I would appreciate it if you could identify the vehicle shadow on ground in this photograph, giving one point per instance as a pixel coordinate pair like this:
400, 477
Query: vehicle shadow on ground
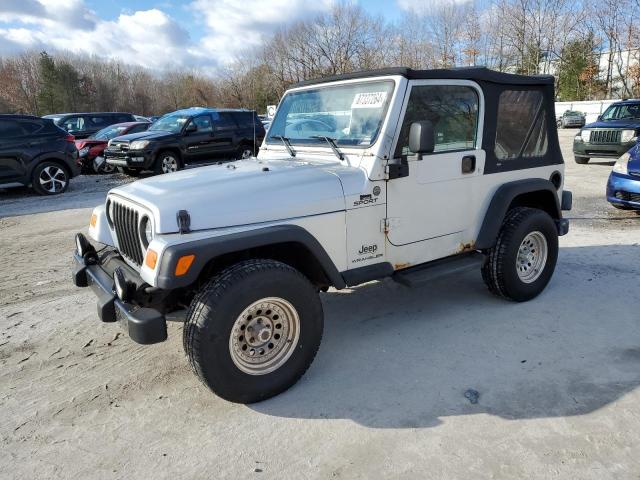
394, 357
605, 163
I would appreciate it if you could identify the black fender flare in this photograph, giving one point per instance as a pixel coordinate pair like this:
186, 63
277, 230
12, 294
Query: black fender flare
502, 200
208, 249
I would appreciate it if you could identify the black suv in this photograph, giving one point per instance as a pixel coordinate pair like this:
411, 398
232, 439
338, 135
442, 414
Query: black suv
187, 136
81, 125
35, 151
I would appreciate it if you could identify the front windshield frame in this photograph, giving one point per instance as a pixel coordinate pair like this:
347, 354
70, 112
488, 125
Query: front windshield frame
383, 81
617, 108
154, 125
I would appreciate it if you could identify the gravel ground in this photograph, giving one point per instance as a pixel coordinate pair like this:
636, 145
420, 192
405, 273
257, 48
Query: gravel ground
557, 377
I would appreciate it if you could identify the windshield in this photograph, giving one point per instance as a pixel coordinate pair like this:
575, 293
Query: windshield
570, 113
351, 114
622, 112
170, 123
108, 133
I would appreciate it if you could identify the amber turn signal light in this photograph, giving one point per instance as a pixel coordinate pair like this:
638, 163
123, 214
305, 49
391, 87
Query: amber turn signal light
183, 265
151, 259
94, 220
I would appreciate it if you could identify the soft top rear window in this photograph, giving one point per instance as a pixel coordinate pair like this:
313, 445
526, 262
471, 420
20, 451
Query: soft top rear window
521, 129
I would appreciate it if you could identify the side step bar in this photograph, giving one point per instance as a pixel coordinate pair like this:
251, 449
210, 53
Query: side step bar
416, 276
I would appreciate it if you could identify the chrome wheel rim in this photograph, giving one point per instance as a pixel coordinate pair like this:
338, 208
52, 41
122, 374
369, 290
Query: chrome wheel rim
532, 257
245, 154
53, 179
264, 336
169, 164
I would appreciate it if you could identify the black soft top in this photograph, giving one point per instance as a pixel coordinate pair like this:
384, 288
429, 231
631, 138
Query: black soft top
467, 73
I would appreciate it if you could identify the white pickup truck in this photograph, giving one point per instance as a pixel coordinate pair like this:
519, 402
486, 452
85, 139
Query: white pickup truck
393, 173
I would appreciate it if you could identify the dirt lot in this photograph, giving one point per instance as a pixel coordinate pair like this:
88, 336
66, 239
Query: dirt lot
558, 377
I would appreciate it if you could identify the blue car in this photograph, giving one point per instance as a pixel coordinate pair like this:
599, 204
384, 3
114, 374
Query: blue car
623, 187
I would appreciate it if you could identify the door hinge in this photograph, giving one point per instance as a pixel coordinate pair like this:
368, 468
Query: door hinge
387, 224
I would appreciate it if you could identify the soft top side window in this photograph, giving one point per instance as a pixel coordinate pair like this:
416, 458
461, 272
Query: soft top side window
521, 129
453, 111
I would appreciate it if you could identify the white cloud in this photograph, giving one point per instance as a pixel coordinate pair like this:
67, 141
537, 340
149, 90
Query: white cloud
236, 25
150, 38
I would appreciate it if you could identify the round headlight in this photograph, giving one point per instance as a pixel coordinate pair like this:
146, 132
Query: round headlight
622, 164
147, 231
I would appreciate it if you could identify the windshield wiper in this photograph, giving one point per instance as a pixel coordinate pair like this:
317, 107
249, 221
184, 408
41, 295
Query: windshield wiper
332, 144
286, 143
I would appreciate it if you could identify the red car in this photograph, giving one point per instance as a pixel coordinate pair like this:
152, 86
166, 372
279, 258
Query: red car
90, 150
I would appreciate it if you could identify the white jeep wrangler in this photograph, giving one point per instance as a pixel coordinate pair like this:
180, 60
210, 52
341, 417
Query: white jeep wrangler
391, 173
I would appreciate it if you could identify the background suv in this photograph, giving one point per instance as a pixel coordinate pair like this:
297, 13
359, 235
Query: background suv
35, 151
571, 118
187, 136
613, 134
81, 125
91, 149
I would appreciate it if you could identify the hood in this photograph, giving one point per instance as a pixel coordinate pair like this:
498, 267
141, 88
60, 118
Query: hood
148, 135
634, 160
623, 124
243, 192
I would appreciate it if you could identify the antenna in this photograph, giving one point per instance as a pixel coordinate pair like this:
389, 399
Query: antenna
253, 114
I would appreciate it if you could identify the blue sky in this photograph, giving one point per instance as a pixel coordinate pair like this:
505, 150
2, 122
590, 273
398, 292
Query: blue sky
200, 34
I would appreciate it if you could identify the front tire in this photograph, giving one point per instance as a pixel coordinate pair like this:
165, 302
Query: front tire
522, 262
166, 162
581, 160
253, 330
50, 178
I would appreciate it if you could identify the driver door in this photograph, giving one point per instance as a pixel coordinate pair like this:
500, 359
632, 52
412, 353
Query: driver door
200, 143
430, 210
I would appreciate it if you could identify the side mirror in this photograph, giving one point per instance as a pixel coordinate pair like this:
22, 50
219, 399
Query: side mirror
191, 128
599, 118
421, 138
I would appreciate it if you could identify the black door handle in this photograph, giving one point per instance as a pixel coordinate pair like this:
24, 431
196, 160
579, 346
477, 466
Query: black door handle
468, 164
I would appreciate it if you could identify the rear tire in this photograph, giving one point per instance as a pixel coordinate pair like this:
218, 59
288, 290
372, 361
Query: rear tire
581, 160
281, 309
50, 178
245, 151
522, 262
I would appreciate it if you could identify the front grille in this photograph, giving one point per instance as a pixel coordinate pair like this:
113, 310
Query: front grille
126, 224
605, 136
628, 196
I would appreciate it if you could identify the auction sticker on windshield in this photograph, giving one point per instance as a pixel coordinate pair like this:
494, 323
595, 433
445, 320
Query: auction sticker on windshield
369, 100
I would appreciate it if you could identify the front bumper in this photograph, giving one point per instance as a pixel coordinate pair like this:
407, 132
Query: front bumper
605, 150
144, 325
129, 159
624, 190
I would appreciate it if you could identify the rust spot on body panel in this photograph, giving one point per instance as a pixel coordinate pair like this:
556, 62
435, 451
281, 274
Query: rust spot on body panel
400, 266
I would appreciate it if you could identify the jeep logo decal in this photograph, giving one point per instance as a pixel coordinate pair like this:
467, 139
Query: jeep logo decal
367, 249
